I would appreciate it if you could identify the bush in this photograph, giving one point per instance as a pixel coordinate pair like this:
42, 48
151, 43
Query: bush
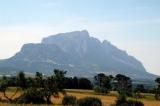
89, 101
128, 103
69, 100
98, 89
31, 96
121, 100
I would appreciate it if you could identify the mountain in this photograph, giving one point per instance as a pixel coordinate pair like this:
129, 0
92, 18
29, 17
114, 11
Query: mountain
76, 52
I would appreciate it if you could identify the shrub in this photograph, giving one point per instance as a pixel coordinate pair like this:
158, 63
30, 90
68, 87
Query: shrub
128, 103
98, 89
31, 96
121, 98
122, 101
69, 100
89, 101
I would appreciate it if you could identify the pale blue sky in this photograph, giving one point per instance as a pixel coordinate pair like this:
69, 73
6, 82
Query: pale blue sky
132, 25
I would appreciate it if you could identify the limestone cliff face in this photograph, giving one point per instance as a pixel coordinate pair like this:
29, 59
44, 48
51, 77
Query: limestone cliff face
76, 52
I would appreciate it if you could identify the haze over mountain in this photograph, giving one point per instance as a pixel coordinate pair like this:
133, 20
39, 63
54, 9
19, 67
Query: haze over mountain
78, 54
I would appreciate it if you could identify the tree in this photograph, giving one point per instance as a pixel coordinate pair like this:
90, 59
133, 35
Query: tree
54, 84
84, 83
157, 80
4, 84
68, 84
157, 95
59, 77
21, 80
77, 83
124, 84
39, 80
30, 82
103, 81
124, 89
100, 79
43, 88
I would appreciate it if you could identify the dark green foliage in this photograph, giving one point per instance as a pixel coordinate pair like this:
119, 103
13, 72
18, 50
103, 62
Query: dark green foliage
68, 83
32, 95
39, 80
124, 87
59, 78
84, 83
41, 89
122, 101
100, 79
69, 100
124, 84
103, 83
157, 80
3, 84
121, 98
51, 85
21, 80
36, 90
30, 82
77, 83
89, 101
157, 93
128, 103
12, 81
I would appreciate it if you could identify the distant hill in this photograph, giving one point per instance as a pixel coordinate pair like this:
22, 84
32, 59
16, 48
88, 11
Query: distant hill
78, 54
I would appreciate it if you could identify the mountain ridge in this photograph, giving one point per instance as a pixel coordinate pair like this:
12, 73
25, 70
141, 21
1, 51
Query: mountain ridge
79, 54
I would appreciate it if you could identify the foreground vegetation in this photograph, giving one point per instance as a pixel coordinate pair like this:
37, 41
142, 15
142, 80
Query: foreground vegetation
103, 91
106, 99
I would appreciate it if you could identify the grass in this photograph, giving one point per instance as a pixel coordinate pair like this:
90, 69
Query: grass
106, 99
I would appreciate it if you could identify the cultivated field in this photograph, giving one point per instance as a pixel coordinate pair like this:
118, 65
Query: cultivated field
106, 99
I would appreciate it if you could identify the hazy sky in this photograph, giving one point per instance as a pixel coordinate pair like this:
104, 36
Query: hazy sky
132, 25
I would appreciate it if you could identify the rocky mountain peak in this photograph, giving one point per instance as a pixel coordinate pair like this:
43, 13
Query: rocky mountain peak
80, 35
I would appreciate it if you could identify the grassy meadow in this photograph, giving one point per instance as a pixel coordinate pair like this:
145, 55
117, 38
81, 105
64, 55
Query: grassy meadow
106, 99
